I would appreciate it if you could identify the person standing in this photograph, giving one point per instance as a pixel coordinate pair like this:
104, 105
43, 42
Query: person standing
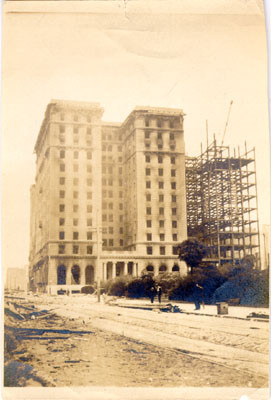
159, 292
198, 295
152, 293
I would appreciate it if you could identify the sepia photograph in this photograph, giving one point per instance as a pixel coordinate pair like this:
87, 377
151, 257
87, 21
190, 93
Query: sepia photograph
135, 200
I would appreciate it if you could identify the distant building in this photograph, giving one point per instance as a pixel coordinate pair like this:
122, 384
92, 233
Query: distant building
126, 179
16, 279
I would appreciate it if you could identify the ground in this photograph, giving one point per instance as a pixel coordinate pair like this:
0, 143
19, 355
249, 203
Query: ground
82, 343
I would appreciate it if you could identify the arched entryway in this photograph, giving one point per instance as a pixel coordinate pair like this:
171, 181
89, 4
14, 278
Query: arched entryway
61, 275
175, 268
162, 269
75, 278
89, 274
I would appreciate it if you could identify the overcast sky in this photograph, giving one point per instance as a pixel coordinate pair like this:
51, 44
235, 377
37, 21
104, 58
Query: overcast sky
122, 58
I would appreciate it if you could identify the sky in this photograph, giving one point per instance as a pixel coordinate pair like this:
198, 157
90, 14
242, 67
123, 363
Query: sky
122, 55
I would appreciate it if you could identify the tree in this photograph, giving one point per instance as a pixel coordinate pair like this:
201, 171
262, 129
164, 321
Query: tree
192, 252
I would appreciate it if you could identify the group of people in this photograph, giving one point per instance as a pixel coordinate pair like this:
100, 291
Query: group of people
198, 295
155, 290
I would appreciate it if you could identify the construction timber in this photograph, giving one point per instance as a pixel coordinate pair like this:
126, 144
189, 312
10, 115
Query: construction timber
222, 206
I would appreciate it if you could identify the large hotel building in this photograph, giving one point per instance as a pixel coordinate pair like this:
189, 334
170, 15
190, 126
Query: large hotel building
109, 198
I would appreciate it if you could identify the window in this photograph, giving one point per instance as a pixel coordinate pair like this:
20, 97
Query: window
161, 224
111, 217
103, 181
121, 242
120, 170
121, 231
149, 224
161, 185
149, 236
89, 195
147, 122
147, 158
148, 197
173, 198
162, 250
174, 250
61, 207
173, 185
61, 138
89, 155
104, 217
109, 148
147, 135
62, 194
62, 235
105, 242
75, 117
89, 182
89, 168
111, 230
171, 136
75, 130
75, 167
172, 160
148, 210
110, 193
62, 167
148, 184
62, 181
61, 221
75, 235
89, 222
75, 181
159, 123
75, 154
120, 182
88, 131
75, 249
119, 148
121, 218
110, 182
174, 211
61, 249
160, 159
173, 172
149, 250
174, 237
89, 208
62, 129
161, 198
110, 206
120, 195
161, 211
174, 224
111, 242
162, 237
121, 206
75, 207
120, 159
160, 171
62, 116
89, 235
89, 249
75, 221
159, 135
75, 195
148, 171
62, 154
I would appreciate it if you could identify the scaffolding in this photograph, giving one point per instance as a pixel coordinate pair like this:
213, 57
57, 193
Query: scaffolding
222, 207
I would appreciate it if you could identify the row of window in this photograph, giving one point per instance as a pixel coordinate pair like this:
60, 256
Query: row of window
161, 237
75, 208
162, 225
161, 185
75, 117
110, 242
109, 169
62, 181
109, 182
160, 145
162, 250
62, 167
160, 172
75, 249
161, 200
62, 129
62, 140
160, 123
62, 154
160, 135
109, 137
75, 221
109, 193
109, 147
62, 194
160, 159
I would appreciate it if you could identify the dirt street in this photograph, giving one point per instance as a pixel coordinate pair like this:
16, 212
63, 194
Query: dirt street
81, 343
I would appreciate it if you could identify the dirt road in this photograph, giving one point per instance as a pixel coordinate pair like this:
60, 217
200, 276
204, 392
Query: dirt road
138, 348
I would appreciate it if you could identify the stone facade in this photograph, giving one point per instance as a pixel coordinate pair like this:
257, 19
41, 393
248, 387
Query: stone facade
109, 198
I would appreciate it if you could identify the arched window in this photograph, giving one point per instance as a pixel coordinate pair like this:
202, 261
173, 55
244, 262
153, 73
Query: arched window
162, 268
175, 268
75, 275
150, 268
61, 275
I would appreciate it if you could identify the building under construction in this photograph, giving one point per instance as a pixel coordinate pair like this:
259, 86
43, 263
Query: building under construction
222, 208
